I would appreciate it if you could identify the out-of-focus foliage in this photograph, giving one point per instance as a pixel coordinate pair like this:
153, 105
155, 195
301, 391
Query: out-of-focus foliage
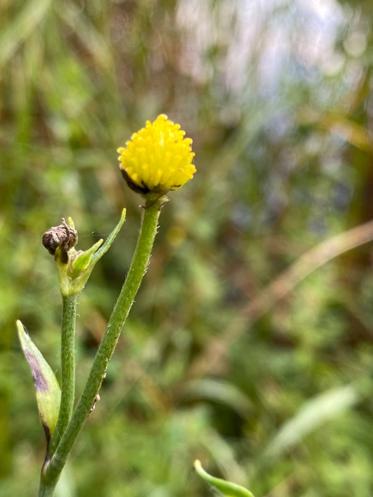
278, 98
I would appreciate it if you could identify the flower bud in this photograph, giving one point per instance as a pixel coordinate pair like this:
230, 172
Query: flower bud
75, 266
62, 236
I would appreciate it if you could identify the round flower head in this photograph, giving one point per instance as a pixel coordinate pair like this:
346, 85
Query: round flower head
158, 158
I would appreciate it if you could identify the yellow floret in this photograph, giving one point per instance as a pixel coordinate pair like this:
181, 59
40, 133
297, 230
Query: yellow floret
158, 158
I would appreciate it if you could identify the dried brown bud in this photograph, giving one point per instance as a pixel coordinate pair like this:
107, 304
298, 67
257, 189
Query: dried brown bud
63, 236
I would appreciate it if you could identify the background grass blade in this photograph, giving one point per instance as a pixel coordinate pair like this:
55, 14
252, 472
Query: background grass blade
21, 28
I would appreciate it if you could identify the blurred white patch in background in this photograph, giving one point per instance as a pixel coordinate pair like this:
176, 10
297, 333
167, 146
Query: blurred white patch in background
276, 36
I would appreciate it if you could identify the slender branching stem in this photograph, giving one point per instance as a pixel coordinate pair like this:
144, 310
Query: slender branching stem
67, 368
140, 260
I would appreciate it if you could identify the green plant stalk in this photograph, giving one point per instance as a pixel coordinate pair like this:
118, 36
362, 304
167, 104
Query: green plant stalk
52, 469
46, 490
69, 304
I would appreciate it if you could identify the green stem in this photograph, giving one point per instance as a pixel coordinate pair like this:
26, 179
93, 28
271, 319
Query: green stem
117, 319
46, 491
67, 368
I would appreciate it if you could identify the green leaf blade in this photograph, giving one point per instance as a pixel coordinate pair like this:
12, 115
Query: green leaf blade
84, 260
21, 28
48, 392
110, 239
227, 488
313, 414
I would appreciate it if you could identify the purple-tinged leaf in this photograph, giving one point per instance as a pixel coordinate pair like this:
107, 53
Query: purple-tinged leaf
48, 393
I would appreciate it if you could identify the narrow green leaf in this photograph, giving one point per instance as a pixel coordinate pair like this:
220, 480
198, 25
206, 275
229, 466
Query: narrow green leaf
48, 393
218, 391
90, 257
21, 28
227, 488
84, 259
110, 239
88, 35
313, 414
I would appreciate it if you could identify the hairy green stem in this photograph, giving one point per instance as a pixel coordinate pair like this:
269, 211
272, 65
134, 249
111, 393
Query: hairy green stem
140, 260
67, 368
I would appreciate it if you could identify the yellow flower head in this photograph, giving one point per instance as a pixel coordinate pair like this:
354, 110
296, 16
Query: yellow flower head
157, 158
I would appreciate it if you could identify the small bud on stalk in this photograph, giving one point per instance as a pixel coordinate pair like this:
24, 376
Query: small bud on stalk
62, 236
75, 266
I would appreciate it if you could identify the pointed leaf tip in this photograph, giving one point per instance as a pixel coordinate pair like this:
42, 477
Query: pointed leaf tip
110, 239
227, 488
70, 222
48, 393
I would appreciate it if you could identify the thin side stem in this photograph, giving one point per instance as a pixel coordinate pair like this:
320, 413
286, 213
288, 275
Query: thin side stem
67, 368
117, 319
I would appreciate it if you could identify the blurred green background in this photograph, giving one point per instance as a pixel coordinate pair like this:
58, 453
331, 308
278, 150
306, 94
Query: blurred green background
277, 96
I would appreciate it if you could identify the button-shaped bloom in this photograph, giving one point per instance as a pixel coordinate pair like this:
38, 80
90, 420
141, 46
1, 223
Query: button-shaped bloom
157, 158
